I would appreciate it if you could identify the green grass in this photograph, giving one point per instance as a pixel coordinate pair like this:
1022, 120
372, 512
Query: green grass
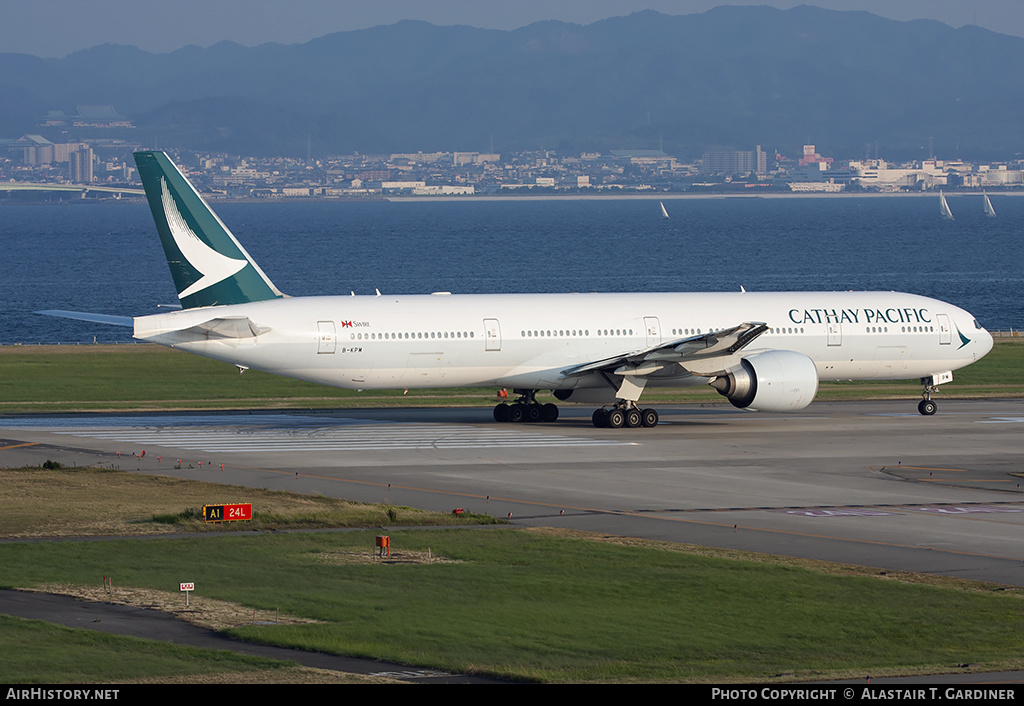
91, 378
139, 377
74, 502
530, 606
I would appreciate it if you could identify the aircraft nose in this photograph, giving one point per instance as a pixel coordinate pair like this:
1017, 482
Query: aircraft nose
981, 339
986, 342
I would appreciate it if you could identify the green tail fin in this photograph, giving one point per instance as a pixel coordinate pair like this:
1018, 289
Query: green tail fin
209, 266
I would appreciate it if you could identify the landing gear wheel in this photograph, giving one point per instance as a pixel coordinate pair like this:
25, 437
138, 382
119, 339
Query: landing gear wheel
549, 413
501, 412
533, 413
633, 418
616, 419
926, 407
600, 418
515, 413
650, 417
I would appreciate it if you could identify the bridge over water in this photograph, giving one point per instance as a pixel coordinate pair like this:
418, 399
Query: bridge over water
78, 188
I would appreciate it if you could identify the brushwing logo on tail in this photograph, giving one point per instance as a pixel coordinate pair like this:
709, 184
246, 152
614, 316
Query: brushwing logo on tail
214, 266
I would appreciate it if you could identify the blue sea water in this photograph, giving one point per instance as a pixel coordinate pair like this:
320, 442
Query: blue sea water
106, 257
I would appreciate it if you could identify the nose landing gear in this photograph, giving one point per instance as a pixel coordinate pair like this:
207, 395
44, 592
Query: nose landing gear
927, 406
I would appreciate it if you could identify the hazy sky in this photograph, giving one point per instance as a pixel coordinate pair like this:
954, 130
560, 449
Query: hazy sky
55, 28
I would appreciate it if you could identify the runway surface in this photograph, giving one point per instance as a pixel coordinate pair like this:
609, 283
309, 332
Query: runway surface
870, 483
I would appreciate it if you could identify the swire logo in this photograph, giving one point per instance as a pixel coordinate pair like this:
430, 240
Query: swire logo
346, 324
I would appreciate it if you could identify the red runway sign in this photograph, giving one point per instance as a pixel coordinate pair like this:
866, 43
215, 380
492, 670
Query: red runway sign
227, 513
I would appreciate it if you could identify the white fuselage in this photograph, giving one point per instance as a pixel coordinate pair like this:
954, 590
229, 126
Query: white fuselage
528, 340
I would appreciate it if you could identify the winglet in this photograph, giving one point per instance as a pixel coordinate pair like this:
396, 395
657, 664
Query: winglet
208, 265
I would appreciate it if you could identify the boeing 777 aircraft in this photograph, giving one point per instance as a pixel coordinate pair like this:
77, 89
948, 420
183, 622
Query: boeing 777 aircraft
762, 351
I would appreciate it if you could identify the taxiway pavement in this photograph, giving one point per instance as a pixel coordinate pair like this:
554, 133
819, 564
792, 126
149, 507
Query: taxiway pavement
869, 483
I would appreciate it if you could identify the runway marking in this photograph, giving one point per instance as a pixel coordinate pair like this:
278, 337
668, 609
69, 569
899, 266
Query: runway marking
860, 512
932, 479
972, 480
815, 512
917, 468
18, 446
966, 509
357, 437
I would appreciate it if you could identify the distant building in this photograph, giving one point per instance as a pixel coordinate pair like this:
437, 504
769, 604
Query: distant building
54, 118
876, 174
62, 150
816, 186
444, 190
812, 157
80, 162
99, 116
35, 150
398, 187
999, 176
735, 162
418, 157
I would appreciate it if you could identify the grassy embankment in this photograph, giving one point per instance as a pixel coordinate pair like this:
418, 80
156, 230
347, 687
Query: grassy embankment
145, 377
534, 605
72, 503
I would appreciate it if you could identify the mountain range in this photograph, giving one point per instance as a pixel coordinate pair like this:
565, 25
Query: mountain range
851, 83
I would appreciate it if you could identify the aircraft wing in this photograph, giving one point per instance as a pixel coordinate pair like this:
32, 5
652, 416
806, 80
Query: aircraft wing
705, 355
94, 318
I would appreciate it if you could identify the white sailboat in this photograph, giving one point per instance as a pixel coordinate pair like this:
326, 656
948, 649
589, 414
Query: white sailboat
989, 211
664, 213
944, 207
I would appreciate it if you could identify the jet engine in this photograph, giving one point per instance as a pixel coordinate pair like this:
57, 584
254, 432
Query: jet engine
773, 381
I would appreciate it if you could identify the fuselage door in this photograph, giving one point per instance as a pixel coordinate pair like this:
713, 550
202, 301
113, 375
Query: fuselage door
945, 330
492, 334
653, 331
835, 333
327, 339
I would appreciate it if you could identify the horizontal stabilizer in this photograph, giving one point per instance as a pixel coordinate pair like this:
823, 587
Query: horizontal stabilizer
94, 318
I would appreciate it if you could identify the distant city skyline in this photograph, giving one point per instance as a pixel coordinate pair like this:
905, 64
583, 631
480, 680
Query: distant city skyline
56, 28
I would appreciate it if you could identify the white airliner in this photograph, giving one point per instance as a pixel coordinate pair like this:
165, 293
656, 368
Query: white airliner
763, 351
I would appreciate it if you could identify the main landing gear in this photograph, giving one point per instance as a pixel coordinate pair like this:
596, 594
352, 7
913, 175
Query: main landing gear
624, 415
525, 409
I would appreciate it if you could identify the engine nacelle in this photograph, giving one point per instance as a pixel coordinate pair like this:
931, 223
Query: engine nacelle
773, 381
